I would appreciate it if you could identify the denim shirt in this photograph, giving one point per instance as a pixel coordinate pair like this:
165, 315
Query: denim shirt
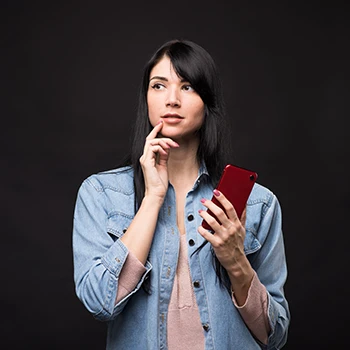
103, 212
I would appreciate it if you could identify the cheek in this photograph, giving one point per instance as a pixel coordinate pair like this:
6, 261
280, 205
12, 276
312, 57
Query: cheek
200, 111
152, 110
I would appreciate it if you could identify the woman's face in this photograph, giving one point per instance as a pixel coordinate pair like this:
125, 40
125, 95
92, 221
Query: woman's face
173, 101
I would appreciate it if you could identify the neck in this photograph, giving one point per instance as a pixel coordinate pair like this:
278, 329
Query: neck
183, 164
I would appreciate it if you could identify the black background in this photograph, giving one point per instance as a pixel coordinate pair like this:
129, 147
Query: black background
69, 78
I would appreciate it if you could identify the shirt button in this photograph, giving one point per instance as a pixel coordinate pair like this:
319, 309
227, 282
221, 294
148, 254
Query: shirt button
206, 327
190, 217
191, 242
196, 284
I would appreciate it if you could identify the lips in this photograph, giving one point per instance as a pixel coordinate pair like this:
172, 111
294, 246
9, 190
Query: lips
172, 115
172, 118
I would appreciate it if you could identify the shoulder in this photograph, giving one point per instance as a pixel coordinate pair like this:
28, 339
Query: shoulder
261, 194
262, 200
115, 180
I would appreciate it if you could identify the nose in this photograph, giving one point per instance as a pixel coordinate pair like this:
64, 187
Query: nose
173, 98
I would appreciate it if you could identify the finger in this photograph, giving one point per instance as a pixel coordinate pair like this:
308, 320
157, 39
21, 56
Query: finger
218, 212
244, 216
160, 146
162, 158
150, 155
154, 132
153, 150
211, 221
164, 143
158, 142
207, 235
226, 204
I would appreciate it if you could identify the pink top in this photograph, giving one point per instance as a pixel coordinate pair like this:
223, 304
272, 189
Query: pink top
184, 324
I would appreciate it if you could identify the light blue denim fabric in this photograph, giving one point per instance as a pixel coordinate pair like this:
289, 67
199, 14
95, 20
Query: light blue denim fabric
104, 210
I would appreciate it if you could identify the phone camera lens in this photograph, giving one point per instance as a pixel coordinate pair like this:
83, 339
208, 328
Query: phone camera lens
251, 177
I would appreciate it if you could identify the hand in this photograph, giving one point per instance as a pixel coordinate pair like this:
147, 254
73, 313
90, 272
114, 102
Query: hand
228, 238
154, 162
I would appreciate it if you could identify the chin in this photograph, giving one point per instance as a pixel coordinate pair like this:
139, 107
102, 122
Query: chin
171, 131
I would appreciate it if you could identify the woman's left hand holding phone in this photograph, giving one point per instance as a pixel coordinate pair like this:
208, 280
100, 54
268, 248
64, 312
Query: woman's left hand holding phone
228, 244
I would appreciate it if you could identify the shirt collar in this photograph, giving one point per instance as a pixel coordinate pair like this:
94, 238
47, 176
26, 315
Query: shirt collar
203, 171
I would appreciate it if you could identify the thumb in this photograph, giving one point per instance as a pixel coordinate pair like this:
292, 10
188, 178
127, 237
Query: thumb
244, 216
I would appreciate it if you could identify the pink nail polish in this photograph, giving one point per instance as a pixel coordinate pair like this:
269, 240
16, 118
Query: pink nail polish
216, 192
203, 200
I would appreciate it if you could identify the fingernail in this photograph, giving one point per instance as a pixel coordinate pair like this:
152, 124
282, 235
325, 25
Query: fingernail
160, 121
216, 192
200, 210
176, 144
203, 200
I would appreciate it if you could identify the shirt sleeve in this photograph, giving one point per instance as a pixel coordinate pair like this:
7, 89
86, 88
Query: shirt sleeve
130, 276
255, 310
98, 257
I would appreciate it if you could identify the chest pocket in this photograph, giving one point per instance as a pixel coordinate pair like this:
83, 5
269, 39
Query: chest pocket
117, 224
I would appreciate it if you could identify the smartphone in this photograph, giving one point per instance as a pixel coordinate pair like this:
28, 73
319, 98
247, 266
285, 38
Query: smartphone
235, 183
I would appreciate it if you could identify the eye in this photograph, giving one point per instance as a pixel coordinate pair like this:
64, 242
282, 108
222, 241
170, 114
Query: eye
188, 87
157, 86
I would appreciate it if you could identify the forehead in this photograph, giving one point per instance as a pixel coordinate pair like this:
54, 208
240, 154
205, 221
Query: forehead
164, 68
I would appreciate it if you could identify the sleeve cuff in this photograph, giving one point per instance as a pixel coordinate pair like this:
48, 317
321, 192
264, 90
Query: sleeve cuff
255, 309
130, 276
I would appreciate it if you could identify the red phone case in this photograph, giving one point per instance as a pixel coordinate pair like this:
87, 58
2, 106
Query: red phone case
235, 183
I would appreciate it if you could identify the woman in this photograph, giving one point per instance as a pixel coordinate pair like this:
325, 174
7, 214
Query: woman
141, 262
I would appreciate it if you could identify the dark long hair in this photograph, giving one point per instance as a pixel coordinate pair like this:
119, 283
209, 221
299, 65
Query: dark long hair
195, 65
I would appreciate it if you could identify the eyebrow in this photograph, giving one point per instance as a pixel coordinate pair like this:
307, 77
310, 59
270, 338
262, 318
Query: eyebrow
165, 79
